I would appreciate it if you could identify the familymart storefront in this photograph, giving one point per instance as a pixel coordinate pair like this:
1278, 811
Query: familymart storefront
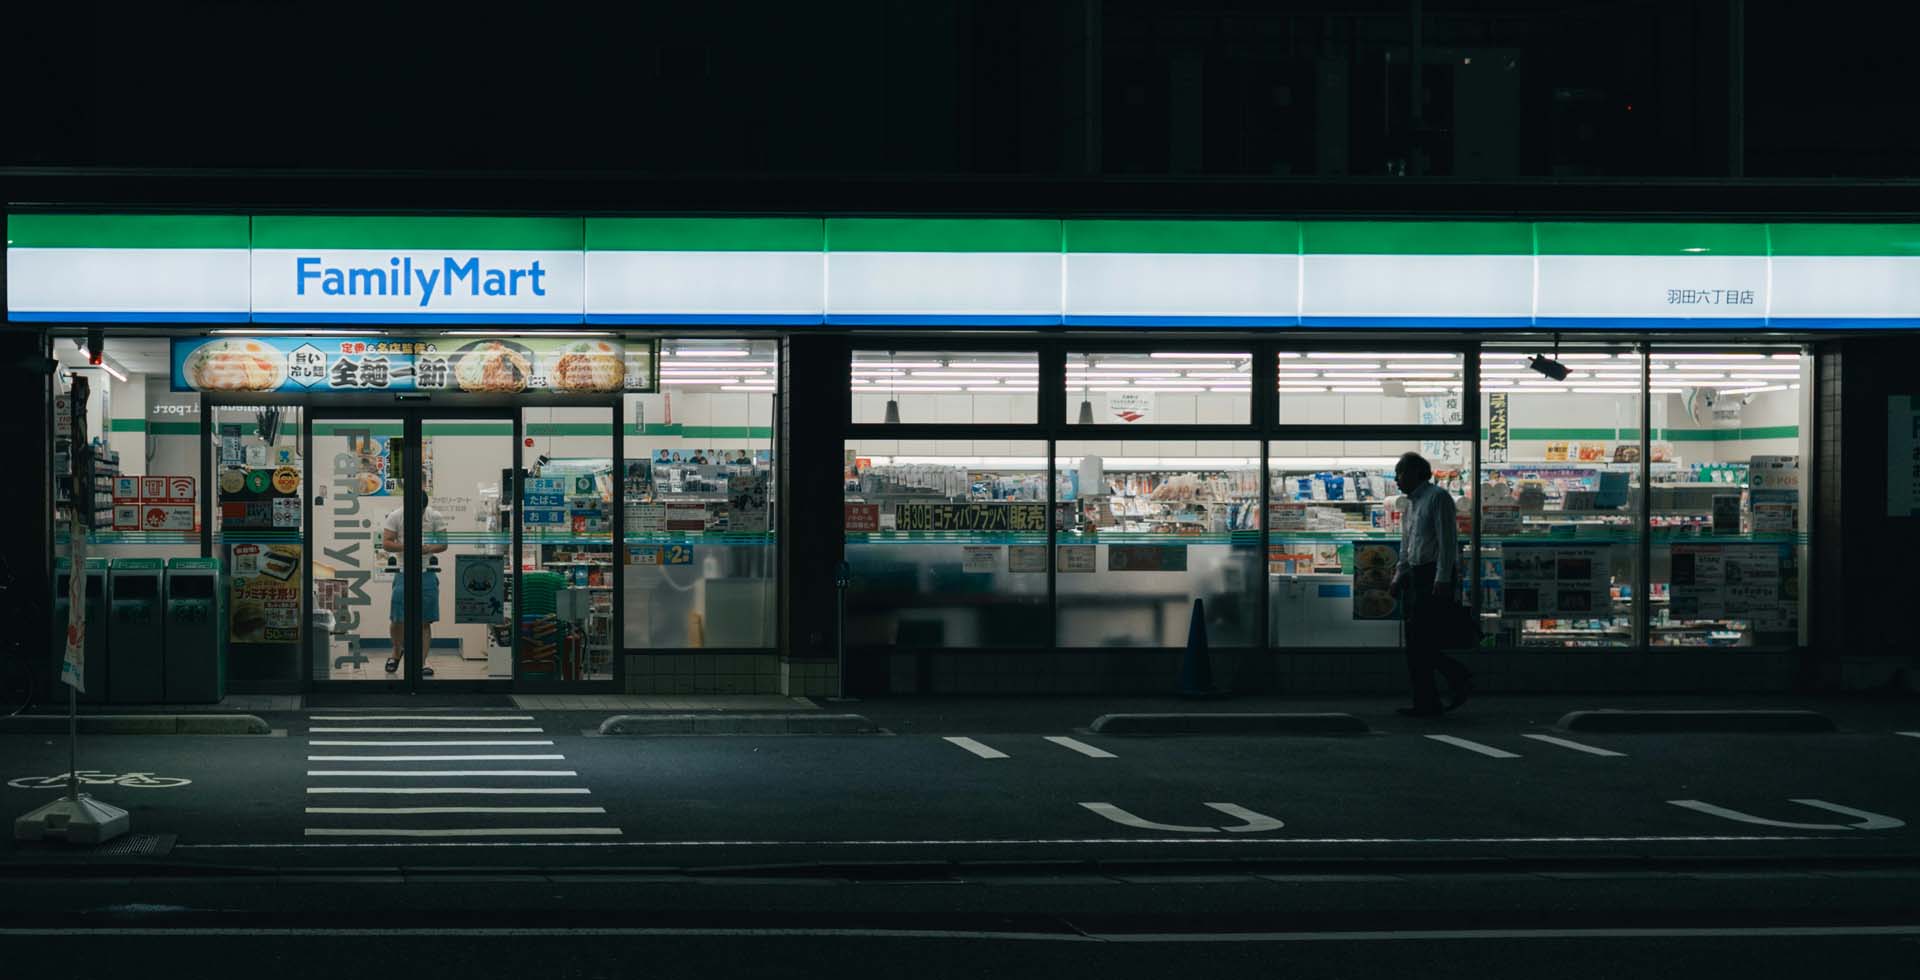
559, 453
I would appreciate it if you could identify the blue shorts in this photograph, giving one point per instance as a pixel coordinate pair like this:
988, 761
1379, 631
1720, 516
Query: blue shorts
429, 598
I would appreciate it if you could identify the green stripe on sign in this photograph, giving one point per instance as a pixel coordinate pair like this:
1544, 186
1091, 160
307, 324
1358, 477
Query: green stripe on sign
706, 235
358, 428
679, 431
570, 429
466, 428
1729, 435
1416, 238
1184, 237
1846, 239
126, 231
1617, 238
1536, 434
452, 234
126, 425
942, 235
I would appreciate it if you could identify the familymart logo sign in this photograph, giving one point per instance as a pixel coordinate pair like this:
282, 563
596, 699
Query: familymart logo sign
321, 285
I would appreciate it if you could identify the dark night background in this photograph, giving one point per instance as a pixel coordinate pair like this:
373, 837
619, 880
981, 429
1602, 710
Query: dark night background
946, 87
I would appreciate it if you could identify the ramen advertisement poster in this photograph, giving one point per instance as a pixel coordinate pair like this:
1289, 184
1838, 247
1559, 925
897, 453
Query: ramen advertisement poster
482, 365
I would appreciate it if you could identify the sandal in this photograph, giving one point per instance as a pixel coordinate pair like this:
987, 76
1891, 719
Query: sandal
393, 664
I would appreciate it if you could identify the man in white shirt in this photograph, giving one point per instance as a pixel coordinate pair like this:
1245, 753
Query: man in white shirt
1424, 580
433, 540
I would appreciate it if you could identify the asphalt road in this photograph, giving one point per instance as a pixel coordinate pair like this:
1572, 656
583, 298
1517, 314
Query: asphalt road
378, 788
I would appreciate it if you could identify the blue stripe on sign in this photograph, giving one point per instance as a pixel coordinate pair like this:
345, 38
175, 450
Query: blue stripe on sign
694, 319
944, 319
1197, 320
1654, 322
1846, 323
572, 318
1425, 322
198, 316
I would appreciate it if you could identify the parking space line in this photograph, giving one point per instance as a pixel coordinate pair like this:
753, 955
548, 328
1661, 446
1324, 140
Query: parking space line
1909, 734
456, 809
1473, 746
463, 832
420, 717
396, 742
430, 758
1083, 748
404, 773
1567, 743
437, 790
983, 751
396, 730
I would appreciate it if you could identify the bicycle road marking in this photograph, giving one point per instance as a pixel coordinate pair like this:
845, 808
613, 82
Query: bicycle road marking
94, 777
1473, 746
1567, 743
977, 748
1083, 748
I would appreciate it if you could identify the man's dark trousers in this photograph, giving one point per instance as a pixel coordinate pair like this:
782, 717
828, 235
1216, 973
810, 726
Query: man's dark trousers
1426, 619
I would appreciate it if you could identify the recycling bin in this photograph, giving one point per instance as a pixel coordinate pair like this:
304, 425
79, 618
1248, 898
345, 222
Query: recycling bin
94, 674
136, 631
196, 643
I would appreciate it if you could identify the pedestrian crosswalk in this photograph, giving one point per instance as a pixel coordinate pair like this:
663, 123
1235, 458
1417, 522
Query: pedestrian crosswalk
351, 781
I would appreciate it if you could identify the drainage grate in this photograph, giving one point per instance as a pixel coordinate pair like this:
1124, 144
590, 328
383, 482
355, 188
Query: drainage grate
135, 845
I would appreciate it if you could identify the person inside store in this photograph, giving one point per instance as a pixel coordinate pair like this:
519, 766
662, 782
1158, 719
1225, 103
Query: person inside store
433, 540
1424, 579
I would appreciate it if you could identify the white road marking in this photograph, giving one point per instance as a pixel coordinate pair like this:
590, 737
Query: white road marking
396, 742
1253, 822
436, 773
1567, 743
420, 717
1868, 819
426, 758
405, 729
478, 790
1409, 935
456, 809
983, 751
1909, 734
463, 832
1081, 747
1473, 746
1071, 841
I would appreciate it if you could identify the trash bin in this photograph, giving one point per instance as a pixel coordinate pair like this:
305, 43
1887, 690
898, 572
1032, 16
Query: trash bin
95, 672
136, 631
196, 650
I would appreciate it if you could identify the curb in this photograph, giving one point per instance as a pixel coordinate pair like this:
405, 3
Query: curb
226, 724
797, 723
1230, 723
1761, 722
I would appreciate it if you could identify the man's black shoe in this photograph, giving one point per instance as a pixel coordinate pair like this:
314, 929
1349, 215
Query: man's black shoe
1420, 712
1457, 694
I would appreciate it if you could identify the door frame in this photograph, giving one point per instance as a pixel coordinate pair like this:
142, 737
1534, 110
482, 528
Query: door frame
411, 417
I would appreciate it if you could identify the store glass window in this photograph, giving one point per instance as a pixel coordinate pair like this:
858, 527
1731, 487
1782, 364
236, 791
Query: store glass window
1559, 495
916, 387
946, 540
1147, 527
1729, 505
566, 534
1370, 387
701, 569
259, 486
1159, 388
1335, 515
